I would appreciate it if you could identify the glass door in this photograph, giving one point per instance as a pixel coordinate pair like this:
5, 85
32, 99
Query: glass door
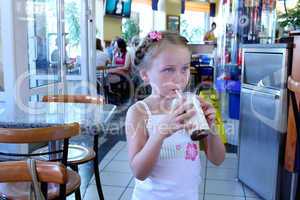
44, 54
73, 34
57, 46
43, 41
79, 45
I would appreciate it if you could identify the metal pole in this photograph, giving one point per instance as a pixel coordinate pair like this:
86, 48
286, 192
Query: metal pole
294, 186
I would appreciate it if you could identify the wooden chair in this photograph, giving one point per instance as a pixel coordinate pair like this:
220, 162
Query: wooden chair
119, 92
13, 172
73, 99
38, 135
79, 154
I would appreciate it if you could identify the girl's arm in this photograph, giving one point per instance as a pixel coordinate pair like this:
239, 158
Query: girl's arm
127, 61
214, 147
143, 150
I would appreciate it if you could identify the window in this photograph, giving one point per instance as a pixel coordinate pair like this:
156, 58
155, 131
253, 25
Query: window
193, 26
143, 14
1, 65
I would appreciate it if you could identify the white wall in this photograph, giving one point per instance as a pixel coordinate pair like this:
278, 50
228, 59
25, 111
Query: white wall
145, 14
159, 17
99, 18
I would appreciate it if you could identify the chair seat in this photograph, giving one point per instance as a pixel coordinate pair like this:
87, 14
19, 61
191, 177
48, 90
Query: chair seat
77, 154
20, 191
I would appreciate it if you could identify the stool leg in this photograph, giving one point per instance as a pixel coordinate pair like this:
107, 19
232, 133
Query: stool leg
96, 169
77, 192
97, 179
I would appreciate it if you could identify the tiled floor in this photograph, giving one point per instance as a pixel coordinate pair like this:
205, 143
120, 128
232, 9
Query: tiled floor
220, 182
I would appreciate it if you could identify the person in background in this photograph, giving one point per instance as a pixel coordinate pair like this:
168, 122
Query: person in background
119, 71
110, 49
120, 51
209, 36
133, 44
55, 53
102, 59
129, 62
164, 160
42, 62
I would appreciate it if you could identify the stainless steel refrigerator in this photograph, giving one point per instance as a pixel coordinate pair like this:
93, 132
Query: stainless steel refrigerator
263, 118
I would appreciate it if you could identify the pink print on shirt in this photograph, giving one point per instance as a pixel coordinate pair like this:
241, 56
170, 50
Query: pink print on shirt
191, 152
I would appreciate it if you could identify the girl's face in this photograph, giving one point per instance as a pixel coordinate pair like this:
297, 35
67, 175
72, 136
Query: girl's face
169, 71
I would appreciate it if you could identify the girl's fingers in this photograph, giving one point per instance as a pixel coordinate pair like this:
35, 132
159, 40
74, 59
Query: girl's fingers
204, 104
211, 118
209, 111
210, 115
185, 116
182, 109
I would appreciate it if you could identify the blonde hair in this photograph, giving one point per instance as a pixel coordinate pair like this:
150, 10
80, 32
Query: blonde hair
150, 47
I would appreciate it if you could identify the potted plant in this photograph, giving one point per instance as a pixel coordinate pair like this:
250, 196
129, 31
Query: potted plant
290, 19
130, 28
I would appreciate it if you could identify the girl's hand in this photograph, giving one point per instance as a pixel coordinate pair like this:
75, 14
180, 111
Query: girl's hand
176, 120
214, 148
209, 112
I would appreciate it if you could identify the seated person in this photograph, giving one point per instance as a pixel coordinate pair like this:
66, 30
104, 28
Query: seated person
119, 75
102, 59
119, 58
119, 54
55, 56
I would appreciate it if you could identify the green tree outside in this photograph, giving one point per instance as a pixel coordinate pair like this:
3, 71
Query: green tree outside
130, 28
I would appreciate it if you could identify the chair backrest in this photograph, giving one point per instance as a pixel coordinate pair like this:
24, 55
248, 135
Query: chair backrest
18, 172
51, 135
73, 99
48, 172
36, 135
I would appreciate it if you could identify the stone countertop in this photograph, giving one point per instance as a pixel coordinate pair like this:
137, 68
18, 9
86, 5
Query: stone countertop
91, 117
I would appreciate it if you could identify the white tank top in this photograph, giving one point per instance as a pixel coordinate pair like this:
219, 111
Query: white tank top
176, 174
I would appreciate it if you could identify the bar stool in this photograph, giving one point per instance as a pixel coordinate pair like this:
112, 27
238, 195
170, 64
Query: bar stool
37, 135
79, 154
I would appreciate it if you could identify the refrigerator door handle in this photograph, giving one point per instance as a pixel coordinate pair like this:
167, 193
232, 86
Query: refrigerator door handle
276, 94
279, 121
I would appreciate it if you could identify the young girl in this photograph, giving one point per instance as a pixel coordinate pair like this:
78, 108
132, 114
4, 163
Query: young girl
163, 158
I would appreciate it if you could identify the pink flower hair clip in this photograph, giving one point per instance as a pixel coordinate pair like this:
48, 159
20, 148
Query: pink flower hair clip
155, 36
